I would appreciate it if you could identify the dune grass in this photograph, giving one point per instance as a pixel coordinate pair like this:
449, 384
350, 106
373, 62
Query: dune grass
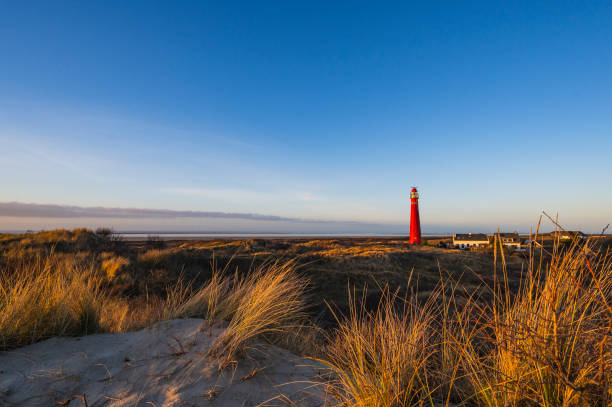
46, 294
267, 302
53, 294
380, 358
216, 300
48, 297
547, 344
550, 344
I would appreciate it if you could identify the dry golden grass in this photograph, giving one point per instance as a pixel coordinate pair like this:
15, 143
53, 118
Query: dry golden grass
357, 251
63, 295
380, 358
215, 301
551, 344
548, 345
155, 256
48, 298
45, 294
215, 244
269, 301
112, 264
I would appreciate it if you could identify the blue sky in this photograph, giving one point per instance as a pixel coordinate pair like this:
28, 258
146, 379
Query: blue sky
313, 110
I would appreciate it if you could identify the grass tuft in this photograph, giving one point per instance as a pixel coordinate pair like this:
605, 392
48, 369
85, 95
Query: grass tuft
48, 298
550, 343
380, 357
269, 301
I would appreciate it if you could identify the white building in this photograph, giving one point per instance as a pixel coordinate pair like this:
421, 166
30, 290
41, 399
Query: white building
466, 241
568, 235
510, 240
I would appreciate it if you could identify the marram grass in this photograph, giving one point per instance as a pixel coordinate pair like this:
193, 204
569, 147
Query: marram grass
545, 343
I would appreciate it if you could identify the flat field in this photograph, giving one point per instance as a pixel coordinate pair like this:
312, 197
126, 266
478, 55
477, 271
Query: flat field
332, 266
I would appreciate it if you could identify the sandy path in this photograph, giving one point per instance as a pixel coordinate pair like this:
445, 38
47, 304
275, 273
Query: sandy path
164, 365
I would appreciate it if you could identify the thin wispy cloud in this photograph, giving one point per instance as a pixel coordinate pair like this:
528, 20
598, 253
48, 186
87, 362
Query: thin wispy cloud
19, 209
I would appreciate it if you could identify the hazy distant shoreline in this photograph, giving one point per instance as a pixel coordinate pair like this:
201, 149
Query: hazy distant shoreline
271, 235
177, 235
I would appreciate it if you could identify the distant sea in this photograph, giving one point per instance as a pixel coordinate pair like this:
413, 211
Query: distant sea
238, 236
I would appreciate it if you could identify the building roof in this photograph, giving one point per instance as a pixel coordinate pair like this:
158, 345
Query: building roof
510, 237
471, 237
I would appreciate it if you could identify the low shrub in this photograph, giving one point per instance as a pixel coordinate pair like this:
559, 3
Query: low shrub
112, 265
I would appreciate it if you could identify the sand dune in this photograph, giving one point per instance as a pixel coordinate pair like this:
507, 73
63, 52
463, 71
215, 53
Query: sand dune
164, 365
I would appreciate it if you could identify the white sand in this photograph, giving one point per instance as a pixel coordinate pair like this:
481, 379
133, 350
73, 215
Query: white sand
148, 368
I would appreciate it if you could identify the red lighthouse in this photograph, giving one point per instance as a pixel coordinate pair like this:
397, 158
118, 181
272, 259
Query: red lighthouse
415, 222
